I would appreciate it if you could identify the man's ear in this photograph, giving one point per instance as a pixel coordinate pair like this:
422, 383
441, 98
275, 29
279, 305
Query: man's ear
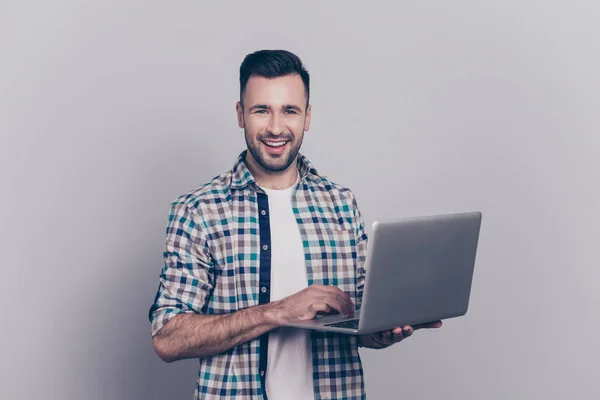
240, 114
308, 116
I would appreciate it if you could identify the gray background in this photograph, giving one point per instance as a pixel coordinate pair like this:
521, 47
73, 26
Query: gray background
109, 110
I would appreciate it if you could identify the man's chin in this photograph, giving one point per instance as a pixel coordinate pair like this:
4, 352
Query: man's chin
275, 168
275, 162
279, 166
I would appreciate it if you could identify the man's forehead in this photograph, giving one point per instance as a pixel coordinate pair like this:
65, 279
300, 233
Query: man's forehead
284, 89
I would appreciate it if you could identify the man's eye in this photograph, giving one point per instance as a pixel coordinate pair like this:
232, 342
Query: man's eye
290, 112
261, 111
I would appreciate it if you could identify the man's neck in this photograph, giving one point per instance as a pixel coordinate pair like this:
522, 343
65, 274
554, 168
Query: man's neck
270, 179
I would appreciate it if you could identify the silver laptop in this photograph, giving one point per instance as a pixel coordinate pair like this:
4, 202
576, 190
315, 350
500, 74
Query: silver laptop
418, 270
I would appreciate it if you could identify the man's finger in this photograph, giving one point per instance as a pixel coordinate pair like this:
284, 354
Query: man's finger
347, 303
398, 335
428, 325
329, 288
335, 303
320, 307
333, 290
337, 292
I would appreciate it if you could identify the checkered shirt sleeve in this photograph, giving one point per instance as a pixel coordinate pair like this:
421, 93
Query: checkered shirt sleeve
186, 277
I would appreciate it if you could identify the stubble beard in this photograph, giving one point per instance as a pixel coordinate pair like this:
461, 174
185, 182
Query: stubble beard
273, 164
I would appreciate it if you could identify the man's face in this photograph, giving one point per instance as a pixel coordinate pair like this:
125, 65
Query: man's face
274, 118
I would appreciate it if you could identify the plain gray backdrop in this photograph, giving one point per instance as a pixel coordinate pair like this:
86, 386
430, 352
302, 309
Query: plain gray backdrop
109, 110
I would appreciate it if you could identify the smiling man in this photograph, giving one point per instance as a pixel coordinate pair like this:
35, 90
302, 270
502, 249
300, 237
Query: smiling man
269, 242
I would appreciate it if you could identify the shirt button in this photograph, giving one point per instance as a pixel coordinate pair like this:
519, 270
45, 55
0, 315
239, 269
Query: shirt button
263, 212
265, 247
262, 373
263, 289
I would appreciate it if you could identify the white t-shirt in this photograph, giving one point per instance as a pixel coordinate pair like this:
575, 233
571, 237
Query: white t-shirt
289, 364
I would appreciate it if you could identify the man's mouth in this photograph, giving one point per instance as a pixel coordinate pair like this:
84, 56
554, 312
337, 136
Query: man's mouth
275, 144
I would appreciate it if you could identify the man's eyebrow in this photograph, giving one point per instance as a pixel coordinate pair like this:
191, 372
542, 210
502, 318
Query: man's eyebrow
292, 107
259, 107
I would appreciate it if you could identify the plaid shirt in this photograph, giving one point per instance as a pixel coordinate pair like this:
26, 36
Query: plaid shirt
217, 260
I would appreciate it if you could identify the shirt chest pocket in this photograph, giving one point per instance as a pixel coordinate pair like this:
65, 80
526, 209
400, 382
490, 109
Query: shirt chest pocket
338, 260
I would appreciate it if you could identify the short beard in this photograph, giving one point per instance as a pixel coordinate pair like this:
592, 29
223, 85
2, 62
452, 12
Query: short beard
257, 155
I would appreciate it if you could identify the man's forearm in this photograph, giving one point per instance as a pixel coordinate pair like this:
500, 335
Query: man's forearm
193, 335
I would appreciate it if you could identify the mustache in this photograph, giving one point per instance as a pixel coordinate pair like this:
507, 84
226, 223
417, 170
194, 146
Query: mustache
289, 137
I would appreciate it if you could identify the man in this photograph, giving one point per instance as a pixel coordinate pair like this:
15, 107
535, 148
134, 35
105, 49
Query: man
268, 242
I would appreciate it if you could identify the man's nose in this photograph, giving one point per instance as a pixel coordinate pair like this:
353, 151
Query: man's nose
275, 126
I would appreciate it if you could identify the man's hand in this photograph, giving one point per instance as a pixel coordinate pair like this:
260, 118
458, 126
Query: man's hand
383, 339
305, 304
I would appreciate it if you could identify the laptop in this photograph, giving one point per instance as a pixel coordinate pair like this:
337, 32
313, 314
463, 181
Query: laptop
418, 270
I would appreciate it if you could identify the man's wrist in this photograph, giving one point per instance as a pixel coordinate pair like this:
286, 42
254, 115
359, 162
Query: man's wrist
271, 314
369, 342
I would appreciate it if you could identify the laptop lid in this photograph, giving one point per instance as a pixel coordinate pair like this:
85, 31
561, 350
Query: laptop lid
419, 270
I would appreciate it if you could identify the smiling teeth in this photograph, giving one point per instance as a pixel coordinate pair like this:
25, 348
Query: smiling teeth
275, 144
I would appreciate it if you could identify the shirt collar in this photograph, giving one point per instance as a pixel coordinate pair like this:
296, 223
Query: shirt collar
242, 177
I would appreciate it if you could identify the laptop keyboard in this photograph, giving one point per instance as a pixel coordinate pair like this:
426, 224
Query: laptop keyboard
351, 324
